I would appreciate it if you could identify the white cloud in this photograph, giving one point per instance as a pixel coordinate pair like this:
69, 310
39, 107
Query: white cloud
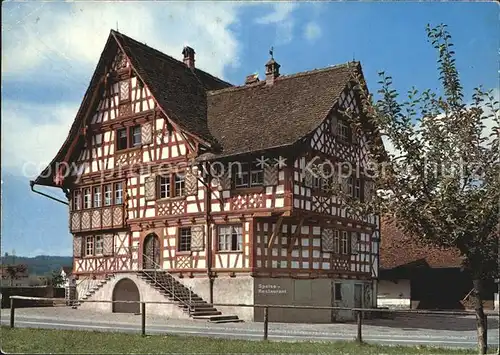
59, 45
282, 19
312, 31
69, 37
27, 145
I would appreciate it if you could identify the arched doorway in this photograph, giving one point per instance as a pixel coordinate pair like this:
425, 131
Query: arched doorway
151, 252
126, 290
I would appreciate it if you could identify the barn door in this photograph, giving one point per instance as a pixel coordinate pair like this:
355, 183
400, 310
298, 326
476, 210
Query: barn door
151, 252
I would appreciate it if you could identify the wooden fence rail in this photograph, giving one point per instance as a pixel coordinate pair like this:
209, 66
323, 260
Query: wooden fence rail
357, 311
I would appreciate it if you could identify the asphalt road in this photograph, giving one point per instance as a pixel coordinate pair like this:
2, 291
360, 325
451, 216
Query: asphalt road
443, 331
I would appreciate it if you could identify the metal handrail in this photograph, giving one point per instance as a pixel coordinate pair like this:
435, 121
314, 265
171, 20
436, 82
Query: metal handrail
170, 280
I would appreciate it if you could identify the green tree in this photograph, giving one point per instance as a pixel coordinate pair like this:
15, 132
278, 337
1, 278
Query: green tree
14, 272
55, 279
441, 185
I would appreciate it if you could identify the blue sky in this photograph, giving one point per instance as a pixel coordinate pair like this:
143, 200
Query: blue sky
50, 49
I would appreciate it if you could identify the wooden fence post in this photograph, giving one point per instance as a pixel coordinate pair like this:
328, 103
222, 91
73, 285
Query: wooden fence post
359, 316
12, 311
143, 318
266, 321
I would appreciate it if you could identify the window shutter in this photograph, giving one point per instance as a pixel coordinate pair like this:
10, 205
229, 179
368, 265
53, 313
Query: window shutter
78, 247
197, 238
150, 188
354, 243
308, 178
270, 175
225, 181
327, 240
191, 183
146, 133
107, 244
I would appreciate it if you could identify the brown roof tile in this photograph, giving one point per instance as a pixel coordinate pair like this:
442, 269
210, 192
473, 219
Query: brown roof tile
259, 116
397, 249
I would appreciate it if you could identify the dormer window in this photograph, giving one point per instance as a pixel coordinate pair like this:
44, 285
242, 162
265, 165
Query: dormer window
247, 175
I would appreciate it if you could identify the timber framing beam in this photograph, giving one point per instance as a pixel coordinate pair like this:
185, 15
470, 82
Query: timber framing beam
276, 231
295, 235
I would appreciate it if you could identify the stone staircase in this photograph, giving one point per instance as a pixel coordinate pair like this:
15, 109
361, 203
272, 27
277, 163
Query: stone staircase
174, 290
90, 287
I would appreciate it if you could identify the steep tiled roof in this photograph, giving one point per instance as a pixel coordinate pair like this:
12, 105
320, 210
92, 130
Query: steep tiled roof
397, 249
232, 120
260, 116
180, 91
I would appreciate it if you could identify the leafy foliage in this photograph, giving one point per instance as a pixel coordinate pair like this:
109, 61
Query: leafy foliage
442, 183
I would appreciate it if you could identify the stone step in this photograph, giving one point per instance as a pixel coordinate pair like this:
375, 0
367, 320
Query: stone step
209, 313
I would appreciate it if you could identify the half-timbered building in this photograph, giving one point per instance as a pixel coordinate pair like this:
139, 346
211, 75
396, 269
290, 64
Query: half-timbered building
184, 186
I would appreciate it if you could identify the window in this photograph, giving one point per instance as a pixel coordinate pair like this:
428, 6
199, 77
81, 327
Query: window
345, 243
87, 202
240, 175
99, 246
343, 130
136, 136
247, 175
108, 191
77, 200
98, 140
179, 185
336, 242
230, 238
118, 193
121, 139
129, 137
172, 185
164, 183
338, 292
89, 246
256, 175
97, 196
357, 189
350, 186
184, 239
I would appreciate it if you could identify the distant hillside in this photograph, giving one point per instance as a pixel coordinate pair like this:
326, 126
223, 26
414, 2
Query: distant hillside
39, 265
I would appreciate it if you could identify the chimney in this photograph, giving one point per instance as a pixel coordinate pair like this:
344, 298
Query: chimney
272, 69
188, 53
251, 79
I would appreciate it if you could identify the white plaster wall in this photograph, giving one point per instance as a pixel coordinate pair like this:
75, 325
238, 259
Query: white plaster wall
147, 293
497, 305
227, 289
394, 294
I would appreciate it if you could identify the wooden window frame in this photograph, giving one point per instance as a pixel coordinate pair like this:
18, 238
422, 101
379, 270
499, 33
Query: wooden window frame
172, 180
358, 189
110, 185
89, 240
94, 194
344, 130
239, 238
77, 203
81, 192
85, 205
248, 170
336, 241
115, 190
98, 238
180, 237
345, 243
129, 131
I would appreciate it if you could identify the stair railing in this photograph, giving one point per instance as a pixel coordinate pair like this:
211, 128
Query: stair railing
154, 274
